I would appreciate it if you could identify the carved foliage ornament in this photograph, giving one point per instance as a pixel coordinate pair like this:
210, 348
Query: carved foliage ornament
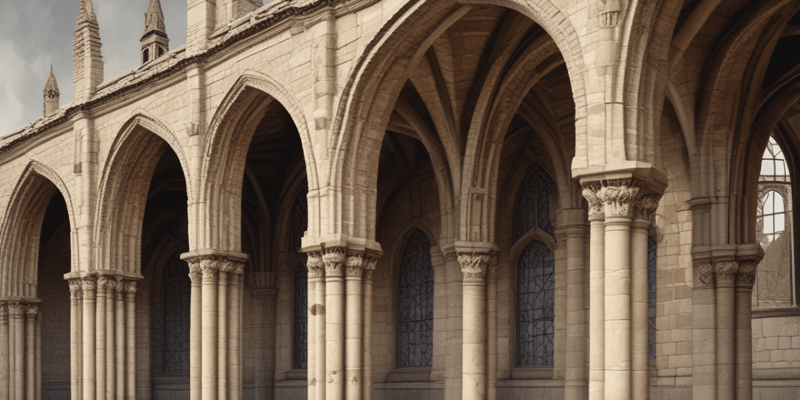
595, 204
354, 264
31, 311
726, 269
747, 273
473, 266
195, 273
75, 289
15, 309
334, 259
316, 268
3, 312
618, 199
706, 274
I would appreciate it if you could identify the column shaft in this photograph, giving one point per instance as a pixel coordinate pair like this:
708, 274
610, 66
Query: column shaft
130, 340
209, 334
119, 343
222, 334
311, 366
473, 268
575, 385
744, 330
38, 358
640, 309
597, 314
111, 352
320, 345
89, 298
353, 329
18, 318
195, 334
269, 350
618, 308
726, 320
704, 339
368, 293
100, 332
491, 305
334, 332
5, 382
30, 351
235, 336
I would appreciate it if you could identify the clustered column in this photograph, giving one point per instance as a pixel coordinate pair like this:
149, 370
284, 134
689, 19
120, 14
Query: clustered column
620, 215
103, 336
19, 349
340, 308
215, 357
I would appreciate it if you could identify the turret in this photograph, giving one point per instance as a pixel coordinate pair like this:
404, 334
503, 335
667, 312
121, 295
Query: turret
51, 94
87, 60
155, 42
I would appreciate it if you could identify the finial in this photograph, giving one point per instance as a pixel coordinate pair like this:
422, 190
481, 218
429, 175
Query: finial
86, 11
154, 18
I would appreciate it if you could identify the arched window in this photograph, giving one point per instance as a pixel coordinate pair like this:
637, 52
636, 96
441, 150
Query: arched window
171, 320
299, 224
775, 275
415, 304
145, 56
533, 207
651, 283
535, 284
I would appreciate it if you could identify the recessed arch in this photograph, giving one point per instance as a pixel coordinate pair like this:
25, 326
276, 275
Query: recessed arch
124, 187
22, 227
230, 133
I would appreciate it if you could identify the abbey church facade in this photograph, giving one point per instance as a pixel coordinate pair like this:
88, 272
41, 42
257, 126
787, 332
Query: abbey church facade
412, 199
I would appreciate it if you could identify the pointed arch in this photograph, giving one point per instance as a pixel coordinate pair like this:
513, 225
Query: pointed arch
124, 187
22, 225
230, 133
376, 80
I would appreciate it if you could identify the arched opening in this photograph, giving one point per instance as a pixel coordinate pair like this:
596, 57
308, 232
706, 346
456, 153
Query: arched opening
145, 56
415, 304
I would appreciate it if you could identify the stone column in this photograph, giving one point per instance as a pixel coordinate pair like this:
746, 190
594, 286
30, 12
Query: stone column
111, 351
75, 338
130, 340
640, 296
316, 277
596, 292
334, 259
38, 358
725, 270
119, 336
31, 313
16, 311
209, 321
575, 385
354, 323
473, 268
222, 329
745, 278
704, 337
103, 283
311, 292
236, 278
369, 272
5, 381
195, 333
89, 286
491, 306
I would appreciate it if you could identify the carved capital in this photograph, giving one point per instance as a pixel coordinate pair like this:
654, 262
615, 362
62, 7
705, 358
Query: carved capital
75, 289
747, 273
31, 311
315, 266
210, 268
89, 286
618, 198
103, 284
474, 266
334, 259
354, 266
130, 288
195, 273
645, 206
726, 268
370, 263
596, 205
706, 274
4, 313
15, 309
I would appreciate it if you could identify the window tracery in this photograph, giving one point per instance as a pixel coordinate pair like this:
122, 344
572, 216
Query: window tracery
652, 249
535, 306
171, 320
415, 304
298, 226
533, 207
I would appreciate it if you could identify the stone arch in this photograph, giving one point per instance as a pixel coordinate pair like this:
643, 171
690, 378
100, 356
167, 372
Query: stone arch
223, 165
375, 82
22, 224
124, 187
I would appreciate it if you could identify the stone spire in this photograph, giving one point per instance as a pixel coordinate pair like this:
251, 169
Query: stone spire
154, 18
155, 41
87, 60
51, 94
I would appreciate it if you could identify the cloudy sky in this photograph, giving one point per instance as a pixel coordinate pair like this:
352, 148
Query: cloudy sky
37, 33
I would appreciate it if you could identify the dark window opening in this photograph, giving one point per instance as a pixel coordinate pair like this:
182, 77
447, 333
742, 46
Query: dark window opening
415, 304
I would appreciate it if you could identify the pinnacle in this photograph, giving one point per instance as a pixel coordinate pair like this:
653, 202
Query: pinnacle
86, 11
154, 18
51, 84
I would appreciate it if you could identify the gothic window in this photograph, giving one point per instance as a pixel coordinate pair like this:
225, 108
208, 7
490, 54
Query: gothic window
415, 304
171, 320
775, 275
535, 284
145, 56
298, 226
533, 208
651, 283
160, 51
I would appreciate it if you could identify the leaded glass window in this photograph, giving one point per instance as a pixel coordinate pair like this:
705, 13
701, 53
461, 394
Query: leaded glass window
775, 276
533, 208
172, 319
651, 284
535, 306
415, 304
299, 224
